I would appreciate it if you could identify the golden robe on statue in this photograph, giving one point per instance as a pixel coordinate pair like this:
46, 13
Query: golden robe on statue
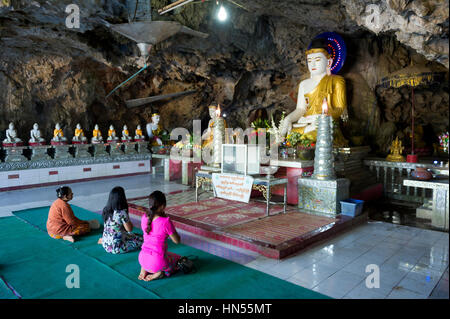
331, 87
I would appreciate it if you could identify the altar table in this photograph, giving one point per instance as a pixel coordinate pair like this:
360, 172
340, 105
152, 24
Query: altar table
260, 183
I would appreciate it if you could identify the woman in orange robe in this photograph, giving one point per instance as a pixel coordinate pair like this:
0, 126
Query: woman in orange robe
61, 222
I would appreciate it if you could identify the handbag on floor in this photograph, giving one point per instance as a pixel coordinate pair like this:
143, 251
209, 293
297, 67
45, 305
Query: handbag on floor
186, 264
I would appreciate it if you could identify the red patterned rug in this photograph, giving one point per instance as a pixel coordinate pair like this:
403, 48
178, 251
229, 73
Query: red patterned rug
246, 225
216, 212
280, 228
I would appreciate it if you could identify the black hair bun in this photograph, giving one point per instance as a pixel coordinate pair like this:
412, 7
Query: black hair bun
62, 191
319, 43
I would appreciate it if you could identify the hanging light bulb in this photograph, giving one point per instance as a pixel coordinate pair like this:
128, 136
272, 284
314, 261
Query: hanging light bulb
222, 14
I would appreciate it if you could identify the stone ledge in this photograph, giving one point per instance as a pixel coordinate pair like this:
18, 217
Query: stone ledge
14, 166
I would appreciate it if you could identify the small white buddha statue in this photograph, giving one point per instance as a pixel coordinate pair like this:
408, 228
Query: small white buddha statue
58, 135
96, 135
154, 129
35, 135
11, 135
138, 133
79, 134
112, 134
125, 134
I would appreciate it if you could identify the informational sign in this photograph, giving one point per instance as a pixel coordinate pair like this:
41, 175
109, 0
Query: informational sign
233, 186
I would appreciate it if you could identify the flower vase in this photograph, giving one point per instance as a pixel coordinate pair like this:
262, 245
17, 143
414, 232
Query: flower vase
306, 154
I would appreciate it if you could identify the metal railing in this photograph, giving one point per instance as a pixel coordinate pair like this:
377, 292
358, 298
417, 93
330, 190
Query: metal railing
392, 174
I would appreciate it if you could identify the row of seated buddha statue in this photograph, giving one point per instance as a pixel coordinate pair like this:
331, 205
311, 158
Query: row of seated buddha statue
154, 129
79, 137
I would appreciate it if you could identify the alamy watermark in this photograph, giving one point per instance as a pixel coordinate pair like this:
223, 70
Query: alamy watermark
373, 279
373, 17
230, 135
73, 19
73, 280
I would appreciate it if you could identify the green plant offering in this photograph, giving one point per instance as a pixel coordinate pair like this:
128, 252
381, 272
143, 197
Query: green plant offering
260, 123
306, 143
294, 138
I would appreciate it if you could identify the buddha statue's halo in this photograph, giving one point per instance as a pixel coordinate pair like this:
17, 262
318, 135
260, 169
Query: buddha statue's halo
334, 44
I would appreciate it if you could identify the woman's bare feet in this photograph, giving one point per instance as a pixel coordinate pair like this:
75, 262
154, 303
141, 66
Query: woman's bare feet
99, 241
69, 238
156, 275
143, 274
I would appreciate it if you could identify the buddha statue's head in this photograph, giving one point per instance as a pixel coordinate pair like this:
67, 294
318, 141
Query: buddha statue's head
138, 127
212, 111
96, 127
57, 126
35, 126
318, 58
125, 128
11, 126
111, 128
155, 118
78, 126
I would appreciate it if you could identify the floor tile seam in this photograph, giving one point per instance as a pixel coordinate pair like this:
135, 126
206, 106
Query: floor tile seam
409, 290
332, 289
362, 280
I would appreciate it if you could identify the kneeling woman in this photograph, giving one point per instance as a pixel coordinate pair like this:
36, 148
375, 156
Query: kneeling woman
154, 258
62, 223
117, 236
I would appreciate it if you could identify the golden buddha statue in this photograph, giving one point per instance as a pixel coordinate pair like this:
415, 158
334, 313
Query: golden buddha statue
112, 134
79, 134
311, 93
58, 135
208, 135
396, 152
96, 134
138, 133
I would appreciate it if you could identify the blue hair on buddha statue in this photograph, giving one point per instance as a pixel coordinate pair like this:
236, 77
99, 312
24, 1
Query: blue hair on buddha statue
334, 45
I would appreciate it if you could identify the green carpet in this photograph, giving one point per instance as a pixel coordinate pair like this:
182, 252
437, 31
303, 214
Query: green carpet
5, 292
46, 258
36, 267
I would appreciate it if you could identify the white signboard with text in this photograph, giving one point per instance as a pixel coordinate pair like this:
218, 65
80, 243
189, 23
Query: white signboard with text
232, 186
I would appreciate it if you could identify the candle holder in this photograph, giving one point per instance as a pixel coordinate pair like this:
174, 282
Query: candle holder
218, 140
323, 159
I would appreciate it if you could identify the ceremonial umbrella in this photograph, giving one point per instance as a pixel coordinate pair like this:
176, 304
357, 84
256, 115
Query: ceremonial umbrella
412, 76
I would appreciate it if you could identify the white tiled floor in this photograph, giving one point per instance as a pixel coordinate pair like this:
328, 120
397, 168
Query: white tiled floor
337, 268
411, 261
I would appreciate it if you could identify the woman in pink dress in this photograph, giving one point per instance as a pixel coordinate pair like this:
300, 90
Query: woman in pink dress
154, 258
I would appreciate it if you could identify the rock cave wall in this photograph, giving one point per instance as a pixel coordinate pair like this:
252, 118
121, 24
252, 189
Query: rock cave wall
50, 74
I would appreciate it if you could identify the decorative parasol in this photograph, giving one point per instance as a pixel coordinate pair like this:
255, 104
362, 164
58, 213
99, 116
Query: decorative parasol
336, 48
412, 76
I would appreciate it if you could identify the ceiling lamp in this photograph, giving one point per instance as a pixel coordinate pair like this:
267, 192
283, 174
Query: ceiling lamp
222, 14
